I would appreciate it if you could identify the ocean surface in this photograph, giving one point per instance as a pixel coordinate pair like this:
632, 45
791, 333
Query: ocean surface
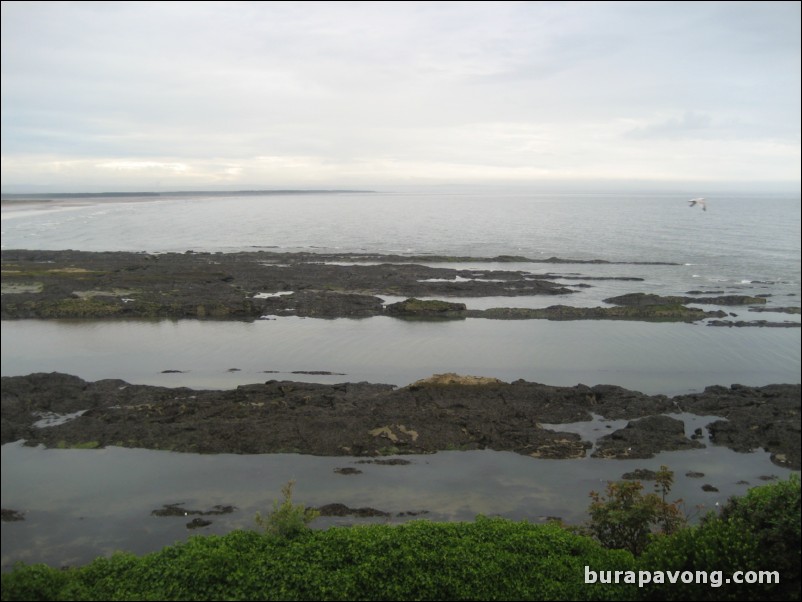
747, 244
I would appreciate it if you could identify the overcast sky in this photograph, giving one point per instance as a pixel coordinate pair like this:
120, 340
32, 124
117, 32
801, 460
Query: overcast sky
200, 95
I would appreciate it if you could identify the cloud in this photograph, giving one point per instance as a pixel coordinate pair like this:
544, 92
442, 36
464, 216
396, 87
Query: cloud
377, 89
143, 165
689, 125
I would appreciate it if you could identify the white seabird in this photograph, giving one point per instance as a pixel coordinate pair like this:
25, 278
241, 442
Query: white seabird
698, 201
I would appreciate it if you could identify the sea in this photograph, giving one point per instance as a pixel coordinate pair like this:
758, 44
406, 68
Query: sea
79, 504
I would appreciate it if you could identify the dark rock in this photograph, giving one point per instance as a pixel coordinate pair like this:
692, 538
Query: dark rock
170, 510
343, 510
373, 420
785, 310
754, 323
323, 304
645, 299
645, 437
388, 462
197, 523
10, 516
644, 313
756, 417
177, 510
710, 488
694, 475
426, 309
347, 470
640, 474
224, 286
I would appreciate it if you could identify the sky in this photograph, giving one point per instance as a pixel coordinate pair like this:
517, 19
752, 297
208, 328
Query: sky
258, 95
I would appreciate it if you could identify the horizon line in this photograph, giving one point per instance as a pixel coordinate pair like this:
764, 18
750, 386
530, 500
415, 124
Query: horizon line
79, 195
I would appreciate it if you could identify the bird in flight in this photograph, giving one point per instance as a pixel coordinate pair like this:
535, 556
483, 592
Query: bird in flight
699, 201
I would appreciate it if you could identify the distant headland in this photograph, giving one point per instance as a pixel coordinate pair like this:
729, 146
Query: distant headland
56, 196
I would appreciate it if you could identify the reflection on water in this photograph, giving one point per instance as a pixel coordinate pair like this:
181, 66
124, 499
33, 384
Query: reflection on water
653, 358
79, 504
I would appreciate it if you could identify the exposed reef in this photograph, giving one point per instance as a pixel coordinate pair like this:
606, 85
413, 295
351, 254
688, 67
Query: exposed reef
261, 284
646, 313
446, 412
647, 300
754, 323
644, 438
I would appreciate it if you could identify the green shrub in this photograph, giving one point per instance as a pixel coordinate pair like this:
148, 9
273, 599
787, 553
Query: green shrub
35, 582
491, 559
287, 519
626, 518
757, 532
773, 514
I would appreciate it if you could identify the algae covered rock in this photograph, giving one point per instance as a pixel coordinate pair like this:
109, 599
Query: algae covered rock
426, 309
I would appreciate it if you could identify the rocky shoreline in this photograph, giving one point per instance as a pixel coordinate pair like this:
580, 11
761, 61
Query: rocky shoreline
445, 412
360, 419
259, 284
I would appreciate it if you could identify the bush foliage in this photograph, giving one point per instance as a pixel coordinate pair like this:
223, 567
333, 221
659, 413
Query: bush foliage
489, 559
287, 519
627, 518
757, 532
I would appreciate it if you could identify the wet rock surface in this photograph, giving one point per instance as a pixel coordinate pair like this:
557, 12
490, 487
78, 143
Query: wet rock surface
769, 420
263, 285
415, 308
343, 510
347, 470
644, 438
447, 412
645, 299
59, 284
197, 523
783, 310
179, 510
647, 313
640, 474
754, 323
11, 516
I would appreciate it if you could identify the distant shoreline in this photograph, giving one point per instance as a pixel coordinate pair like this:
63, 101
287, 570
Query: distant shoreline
58, 196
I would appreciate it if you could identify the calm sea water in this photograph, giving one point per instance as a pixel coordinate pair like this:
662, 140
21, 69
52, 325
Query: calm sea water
743, 244
740, 237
